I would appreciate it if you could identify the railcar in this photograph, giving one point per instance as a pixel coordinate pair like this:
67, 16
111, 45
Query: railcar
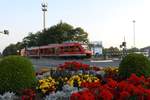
58, 50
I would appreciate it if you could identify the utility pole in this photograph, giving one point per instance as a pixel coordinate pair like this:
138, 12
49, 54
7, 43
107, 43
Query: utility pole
44, 9
134, 33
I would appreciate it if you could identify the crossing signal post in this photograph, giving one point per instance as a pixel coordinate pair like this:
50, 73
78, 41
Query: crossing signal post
124, 50
5, 32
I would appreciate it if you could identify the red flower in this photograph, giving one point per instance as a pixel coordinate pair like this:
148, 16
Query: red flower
85, 67
90, 85
124, 95
130, 88
75, 96
136, 80
147, 93
26, 98
96, 68
74, 66
111, 83
28, 94
106, 95
139, 90
147, 83
87, 95
85, 84
122, 85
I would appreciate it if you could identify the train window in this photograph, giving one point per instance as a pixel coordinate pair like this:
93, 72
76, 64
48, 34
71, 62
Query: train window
76, 49
85, 47
29, 52
51, 50
36, 51
57, 50
61, 49
41, 51
71, 48
45, 51
65, 49
32, 52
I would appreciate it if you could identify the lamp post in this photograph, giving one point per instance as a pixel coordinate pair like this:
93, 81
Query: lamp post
44, 9
134, 33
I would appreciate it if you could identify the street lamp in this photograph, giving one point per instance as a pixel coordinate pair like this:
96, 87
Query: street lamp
44, 9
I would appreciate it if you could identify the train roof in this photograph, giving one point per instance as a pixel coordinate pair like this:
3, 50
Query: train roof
54, 45
32, 48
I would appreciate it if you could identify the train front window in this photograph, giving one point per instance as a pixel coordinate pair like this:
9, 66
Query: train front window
85, 47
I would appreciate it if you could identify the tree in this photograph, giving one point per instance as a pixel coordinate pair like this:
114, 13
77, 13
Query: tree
56, 34
113, 52
132, 50
19, 45
30, 40
78, 34
105, 53
10, 50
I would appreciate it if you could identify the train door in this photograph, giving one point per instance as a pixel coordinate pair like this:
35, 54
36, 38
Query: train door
57, 51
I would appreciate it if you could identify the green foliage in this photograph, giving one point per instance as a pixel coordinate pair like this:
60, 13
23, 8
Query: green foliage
133, 50
58, 33
10, 50
134, 63
16, 73
113, 52
31, 40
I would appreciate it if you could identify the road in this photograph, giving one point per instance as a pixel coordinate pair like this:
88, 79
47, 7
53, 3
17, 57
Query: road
40, 63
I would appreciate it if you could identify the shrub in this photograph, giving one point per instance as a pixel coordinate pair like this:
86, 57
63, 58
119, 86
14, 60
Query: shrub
134, 63
16, 73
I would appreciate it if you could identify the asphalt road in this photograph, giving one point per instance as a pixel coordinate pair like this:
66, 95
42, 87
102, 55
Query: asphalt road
43, 62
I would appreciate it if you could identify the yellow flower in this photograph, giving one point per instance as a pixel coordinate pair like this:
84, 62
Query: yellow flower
47, 84
44, 91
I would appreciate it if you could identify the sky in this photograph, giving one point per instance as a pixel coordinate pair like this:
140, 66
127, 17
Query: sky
108, 21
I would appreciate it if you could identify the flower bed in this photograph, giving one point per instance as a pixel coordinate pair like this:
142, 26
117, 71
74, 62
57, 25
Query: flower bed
134, 88
76, 81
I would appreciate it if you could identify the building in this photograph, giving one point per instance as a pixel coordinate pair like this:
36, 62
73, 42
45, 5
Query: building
96, 48
146, 50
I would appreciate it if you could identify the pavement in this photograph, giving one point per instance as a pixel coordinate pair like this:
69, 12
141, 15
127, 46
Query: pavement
46, 63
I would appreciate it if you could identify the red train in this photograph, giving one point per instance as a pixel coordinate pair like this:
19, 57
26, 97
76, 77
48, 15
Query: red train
58, 50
